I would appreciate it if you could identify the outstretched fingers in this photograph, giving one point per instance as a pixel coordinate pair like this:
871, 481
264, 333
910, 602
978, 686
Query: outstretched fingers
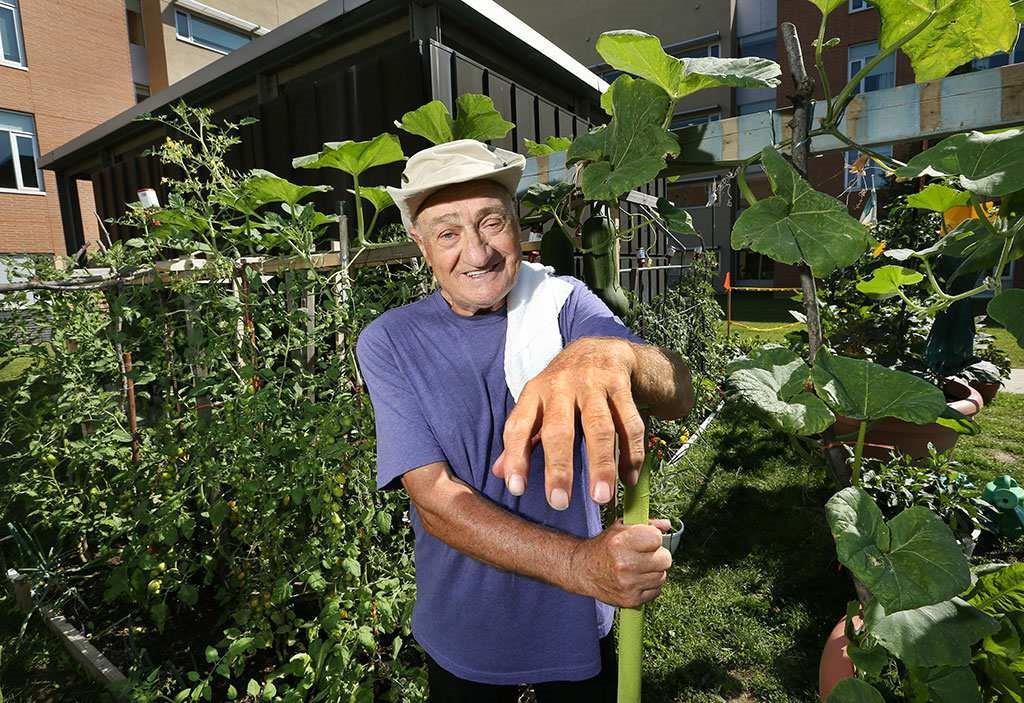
599, 431
630, 427
519, 438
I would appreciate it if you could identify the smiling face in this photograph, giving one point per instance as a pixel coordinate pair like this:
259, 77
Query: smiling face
469, 236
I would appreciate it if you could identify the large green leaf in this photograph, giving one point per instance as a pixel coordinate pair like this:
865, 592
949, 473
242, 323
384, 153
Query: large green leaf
885, 281
934, 635
635, 142
547, 147
477, 118
986, 164
1000, 591
641, 54
963, 30
1018, 8
589, 146
938, 198
1007, 309
909, 562
773, 381
432, 121
265, 187
354, 157
675, 218
855, 690
799, 224
377, 196
956, 684
863, 390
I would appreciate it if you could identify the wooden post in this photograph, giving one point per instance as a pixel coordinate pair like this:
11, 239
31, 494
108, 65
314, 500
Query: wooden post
728, 313
802, 111
133, 427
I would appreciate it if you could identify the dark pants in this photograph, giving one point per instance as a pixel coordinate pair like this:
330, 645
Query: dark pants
448, 688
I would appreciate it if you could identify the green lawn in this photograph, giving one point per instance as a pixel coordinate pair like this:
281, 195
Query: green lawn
755, 588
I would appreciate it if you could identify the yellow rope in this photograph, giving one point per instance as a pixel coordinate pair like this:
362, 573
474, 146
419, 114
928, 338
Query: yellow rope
764, 290
766, 329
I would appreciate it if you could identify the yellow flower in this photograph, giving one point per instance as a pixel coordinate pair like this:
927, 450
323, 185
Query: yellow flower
877, 251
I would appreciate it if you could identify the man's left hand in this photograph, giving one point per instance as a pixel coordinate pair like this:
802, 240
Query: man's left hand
593, 377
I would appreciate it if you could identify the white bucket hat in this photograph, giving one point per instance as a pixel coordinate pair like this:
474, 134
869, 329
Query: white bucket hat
460, 161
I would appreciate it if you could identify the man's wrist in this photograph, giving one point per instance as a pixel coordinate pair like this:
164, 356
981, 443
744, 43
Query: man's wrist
571, 580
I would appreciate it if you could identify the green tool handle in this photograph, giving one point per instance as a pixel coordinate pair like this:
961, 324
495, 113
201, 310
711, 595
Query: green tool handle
631, 620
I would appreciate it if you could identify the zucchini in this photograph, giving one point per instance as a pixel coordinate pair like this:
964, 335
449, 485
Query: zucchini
556, 250
601, 263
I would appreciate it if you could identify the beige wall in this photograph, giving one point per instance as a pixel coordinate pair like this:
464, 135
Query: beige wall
574, 25
78, 75
171, 59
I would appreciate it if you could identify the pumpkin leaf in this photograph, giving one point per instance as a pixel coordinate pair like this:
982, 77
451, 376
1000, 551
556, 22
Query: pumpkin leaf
956, 684
549, 146
773, 381
799, 224
963, 30
938, 198
987, 164
854, 690
635, 143
432, 121
265, 187
589, 146
354, 157
477, 118
910, 562
642, 55
863, 390
934, 635
377, 196
885, 281
675, 218
1007, 309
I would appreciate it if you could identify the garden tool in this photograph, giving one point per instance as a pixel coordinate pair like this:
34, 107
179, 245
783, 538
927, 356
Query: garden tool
1008, 498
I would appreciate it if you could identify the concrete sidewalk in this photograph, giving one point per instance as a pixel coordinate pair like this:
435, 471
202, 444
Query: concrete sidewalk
1016, 382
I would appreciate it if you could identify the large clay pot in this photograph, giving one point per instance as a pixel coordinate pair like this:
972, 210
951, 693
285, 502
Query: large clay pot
987, 390
910, 439
835, 665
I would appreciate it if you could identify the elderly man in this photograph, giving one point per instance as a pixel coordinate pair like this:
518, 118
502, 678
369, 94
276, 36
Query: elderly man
515, 577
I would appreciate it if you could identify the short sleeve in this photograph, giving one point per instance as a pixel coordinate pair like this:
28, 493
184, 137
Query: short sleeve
586, 315
404, 439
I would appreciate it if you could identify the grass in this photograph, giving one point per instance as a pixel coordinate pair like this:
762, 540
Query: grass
1005, 341
756, 586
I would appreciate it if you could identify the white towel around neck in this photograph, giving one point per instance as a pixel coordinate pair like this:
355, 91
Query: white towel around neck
533, 337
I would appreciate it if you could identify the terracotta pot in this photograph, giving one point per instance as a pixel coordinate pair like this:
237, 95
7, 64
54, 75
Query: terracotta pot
910, 439
835, 665
987, 390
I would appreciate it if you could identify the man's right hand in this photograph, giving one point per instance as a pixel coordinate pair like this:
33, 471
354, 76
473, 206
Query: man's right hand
624, 566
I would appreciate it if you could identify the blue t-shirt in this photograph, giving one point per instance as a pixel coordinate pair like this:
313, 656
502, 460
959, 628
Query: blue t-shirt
437, 382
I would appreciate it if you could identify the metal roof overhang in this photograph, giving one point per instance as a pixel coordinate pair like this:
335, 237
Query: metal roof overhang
304, 36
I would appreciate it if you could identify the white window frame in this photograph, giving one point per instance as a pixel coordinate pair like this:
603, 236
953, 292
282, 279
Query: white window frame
189, 40
865, 6
19, 180
13, 7
850, 179
851, 72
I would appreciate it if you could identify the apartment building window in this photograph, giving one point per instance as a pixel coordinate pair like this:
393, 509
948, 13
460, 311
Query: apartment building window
141, 92
12, 50
881, 77
688, 119
700, 52
133, 14
858, 5
755, 107
19, 154
761, 44
873, 176
1002, 58
197, 30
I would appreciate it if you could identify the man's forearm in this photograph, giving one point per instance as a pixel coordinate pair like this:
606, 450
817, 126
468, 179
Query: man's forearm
460, 517
661, 382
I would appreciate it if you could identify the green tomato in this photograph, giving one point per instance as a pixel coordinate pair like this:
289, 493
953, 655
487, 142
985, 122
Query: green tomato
154, 586
50, 459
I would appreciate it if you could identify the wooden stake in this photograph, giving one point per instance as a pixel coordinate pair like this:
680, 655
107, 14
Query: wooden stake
133, 427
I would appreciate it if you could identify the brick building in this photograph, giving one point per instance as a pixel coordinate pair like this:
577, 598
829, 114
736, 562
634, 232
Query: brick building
63, 69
